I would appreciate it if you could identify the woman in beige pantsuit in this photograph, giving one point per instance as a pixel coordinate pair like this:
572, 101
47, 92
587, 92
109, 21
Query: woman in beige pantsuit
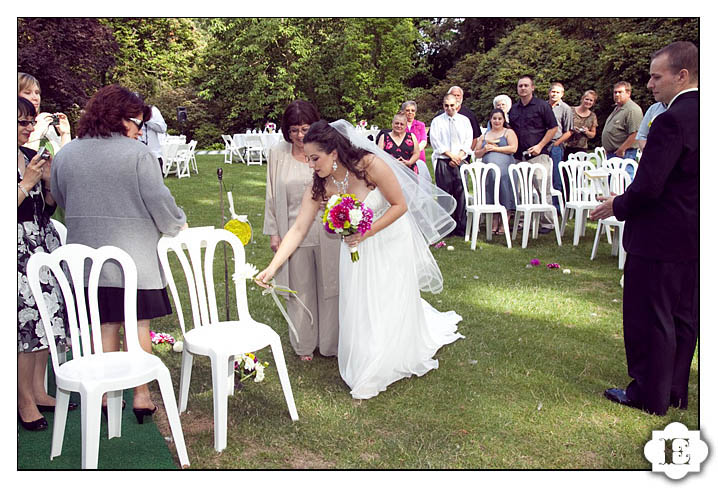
313, 270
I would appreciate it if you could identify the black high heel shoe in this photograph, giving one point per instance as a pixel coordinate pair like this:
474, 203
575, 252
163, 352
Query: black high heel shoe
104, 408
37, 425
142, 412
71, 406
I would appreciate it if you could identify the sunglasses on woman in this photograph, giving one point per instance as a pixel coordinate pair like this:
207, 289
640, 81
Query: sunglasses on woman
27, 123
139, 123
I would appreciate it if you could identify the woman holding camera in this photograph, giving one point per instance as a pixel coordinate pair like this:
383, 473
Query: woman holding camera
585, 123
35, 232
53, 127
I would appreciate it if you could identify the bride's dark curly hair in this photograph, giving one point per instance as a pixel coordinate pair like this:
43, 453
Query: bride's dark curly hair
328, 140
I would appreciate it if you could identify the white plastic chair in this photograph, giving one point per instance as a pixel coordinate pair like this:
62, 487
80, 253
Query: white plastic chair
619, 179
231, 149
92, 372
622, 164
580, 195
219, 340
255, 150
522, 176
601, 153
475, 193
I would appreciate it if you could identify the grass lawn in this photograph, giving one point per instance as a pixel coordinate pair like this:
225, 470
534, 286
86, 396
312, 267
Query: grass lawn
523, 390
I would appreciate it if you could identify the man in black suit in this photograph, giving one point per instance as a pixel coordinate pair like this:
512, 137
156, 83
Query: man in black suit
660, 210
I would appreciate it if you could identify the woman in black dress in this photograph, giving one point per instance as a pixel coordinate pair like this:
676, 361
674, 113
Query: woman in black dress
400, 144
35, 232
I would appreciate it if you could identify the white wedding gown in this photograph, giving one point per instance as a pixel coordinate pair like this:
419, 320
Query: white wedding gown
386, 330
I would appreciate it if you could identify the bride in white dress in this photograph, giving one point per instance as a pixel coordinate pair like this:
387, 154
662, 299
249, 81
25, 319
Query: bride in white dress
386, 330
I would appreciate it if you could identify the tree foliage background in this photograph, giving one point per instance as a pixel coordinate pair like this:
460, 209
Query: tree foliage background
238, 73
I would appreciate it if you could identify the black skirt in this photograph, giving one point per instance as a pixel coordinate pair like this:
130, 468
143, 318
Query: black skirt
151, 303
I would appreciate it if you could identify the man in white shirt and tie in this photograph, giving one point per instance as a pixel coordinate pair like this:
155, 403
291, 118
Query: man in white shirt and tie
451, 136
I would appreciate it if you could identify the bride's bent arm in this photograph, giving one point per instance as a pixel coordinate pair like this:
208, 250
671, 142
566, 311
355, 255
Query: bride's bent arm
293, 238
383, 177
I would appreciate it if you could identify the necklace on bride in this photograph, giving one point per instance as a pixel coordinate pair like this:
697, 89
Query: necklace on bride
343, 185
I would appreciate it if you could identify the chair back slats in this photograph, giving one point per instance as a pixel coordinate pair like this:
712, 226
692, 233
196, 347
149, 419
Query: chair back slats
199, 271
577, 186
68, 264
475, 180
523, 175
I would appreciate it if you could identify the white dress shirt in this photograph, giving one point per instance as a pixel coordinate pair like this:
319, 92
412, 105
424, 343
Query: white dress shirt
440, 135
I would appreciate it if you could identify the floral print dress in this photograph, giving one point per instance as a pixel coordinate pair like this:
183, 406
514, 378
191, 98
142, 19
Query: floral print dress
403, 150
36, 233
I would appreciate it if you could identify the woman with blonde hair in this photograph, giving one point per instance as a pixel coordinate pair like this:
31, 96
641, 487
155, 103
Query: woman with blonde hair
585, 123
54, 128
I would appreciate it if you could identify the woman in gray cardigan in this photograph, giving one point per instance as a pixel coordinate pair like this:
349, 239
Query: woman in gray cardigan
111, 188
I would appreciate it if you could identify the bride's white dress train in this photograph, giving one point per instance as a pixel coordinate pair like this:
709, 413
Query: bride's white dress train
386, 330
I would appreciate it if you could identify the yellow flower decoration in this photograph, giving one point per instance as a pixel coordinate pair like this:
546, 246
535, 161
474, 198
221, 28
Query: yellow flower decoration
243, 230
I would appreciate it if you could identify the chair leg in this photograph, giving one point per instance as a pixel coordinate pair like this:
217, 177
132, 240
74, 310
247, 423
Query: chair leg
555, 226
563, 221
90, 405
472, 214
185, 374
474, 228
516, 224
168, 399
62, 399
114, 414
219, 394
596, 239
276, 346
527, 226
230, 376
489, 218
505, 220
608, 234
577, 226
621, 250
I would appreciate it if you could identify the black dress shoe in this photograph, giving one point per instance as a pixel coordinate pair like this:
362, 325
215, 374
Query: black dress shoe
37, 425
619, 396
51, 409
140, 413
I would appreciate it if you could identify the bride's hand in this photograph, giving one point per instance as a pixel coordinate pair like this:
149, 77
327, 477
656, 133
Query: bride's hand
264, 277
353, 240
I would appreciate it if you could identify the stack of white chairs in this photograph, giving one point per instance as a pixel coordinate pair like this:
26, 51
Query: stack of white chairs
211, 336
93, 372
474, 178
619, 180
530, 203
231, 149
580, 195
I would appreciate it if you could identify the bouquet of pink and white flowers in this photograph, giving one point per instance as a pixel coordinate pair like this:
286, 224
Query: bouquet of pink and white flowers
270, 126
346, 215
362, 124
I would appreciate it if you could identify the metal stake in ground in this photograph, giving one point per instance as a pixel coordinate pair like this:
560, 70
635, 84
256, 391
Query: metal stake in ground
224, 245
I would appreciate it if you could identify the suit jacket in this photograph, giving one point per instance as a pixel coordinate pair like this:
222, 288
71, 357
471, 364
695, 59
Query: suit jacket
660, 207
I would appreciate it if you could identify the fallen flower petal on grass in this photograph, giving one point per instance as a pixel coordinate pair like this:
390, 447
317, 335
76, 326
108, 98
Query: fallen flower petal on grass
566, 271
